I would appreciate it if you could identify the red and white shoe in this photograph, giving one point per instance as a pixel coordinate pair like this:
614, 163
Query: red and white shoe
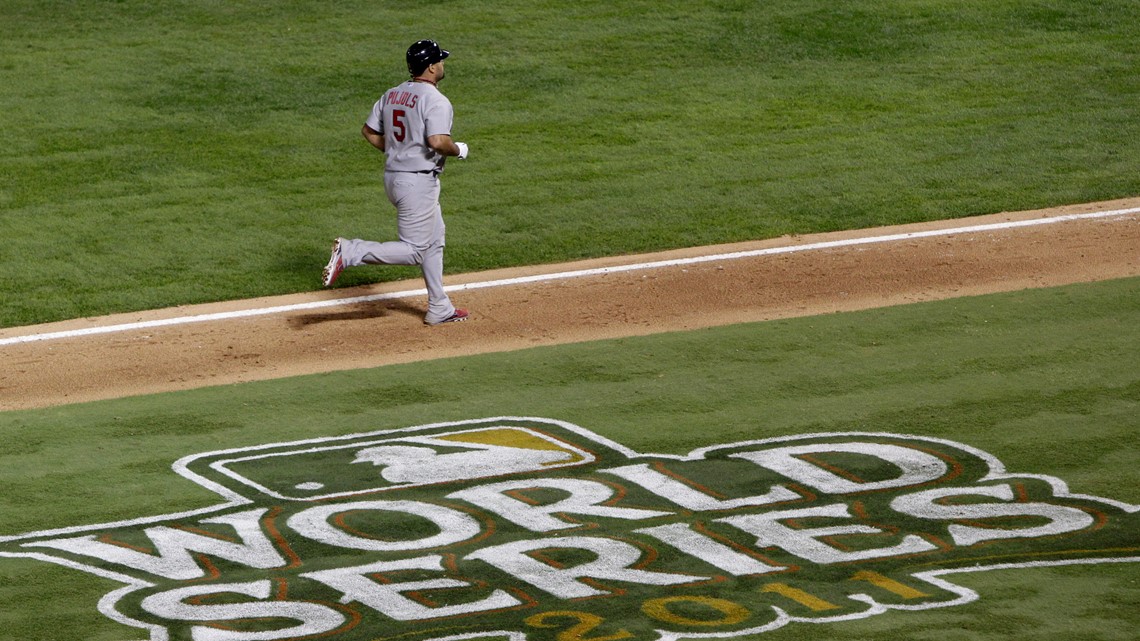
458, 316
335, 266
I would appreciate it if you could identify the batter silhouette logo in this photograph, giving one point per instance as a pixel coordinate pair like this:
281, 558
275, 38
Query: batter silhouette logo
531, 528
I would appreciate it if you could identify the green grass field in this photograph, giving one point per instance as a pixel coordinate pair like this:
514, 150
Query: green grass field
181, 152
1044, 380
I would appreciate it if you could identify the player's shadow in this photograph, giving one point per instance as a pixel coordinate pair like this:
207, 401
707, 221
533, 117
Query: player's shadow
363, 311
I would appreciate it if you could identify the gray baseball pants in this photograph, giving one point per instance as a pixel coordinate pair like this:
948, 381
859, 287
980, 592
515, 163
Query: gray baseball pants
419, 225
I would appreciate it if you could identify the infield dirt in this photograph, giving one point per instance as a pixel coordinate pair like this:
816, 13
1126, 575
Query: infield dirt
45, 373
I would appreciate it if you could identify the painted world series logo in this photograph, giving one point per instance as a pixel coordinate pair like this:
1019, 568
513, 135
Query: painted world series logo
537, 529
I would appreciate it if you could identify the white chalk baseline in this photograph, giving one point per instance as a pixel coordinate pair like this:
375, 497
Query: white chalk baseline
281, 309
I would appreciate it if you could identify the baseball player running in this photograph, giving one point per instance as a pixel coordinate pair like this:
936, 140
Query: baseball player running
411, 123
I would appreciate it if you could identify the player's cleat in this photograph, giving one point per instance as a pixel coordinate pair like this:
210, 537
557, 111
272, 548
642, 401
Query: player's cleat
335, 266
458, 316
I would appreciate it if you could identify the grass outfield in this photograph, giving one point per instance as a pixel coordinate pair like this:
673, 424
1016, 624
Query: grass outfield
1045, 380
157, 154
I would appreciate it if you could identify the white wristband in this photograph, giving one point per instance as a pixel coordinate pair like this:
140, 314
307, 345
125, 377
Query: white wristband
462, 150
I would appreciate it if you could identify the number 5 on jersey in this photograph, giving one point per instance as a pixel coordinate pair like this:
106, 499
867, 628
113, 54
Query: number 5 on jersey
400, 130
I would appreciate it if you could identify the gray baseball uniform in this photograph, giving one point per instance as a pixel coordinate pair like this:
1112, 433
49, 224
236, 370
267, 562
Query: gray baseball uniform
407, 115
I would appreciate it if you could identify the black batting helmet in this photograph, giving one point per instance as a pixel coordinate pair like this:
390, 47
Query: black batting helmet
423, 54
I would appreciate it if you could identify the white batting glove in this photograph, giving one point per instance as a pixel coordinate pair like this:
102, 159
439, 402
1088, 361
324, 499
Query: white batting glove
462, 150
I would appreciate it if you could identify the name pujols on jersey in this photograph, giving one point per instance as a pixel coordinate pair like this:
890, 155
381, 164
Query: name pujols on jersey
401, 98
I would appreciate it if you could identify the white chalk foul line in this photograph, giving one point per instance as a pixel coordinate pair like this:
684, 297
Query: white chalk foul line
281, 309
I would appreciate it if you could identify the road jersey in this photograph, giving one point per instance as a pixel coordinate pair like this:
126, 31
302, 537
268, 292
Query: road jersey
407, 115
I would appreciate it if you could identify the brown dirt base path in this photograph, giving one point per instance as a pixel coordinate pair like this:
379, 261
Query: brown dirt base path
58, 371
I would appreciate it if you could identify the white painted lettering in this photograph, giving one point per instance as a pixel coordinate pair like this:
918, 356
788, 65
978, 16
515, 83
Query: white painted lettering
924, 506
612, 563
585, 498
171, 605
454, 526
705, 548
803, 543
688, 497
916, 466
174, 559
388, 599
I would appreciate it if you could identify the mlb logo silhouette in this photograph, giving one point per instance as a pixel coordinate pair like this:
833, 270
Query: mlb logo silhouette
362, 464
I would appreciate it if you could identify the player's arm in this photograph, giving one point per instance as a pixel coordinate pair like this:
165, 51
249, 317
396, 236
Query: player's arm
375, 138
444, 145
